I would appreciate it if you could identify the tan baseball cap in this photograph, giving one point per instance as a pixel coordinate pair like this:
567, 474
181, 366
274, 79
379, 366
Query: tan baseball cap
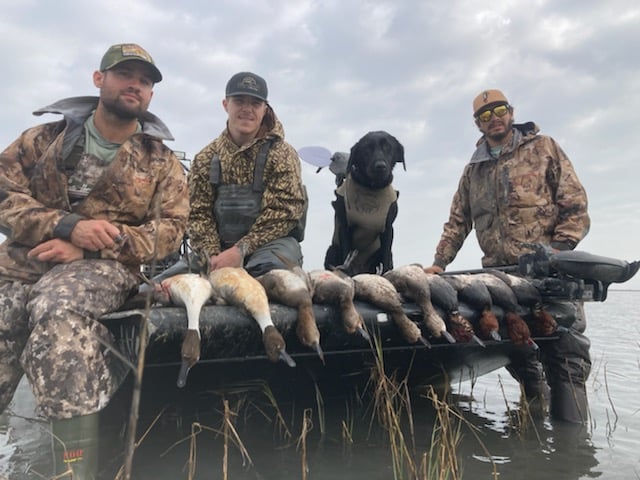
123, 52
486, 98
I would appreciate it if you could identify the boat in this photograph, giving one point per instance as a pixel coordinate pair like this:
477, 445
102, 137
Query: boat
232, 351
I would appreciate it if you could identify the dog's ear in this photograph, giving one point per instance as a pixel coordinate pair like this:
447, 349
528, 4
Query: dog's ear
398, 152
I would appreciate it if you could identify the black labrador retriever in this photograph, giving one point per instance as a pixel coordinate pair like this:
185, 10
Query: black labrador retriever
366, 207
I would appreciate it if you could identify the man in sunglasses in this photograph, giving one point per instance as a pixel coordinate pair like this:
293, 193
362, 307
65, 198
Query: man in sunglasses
520, 188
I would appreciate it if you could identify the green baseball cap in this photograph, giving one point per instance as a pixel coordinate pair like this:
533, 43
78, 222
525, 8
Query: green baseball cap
123, 52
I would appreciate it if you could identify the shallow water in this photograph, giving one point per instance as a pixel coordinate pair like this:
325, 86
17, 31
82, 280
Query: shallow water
345, 443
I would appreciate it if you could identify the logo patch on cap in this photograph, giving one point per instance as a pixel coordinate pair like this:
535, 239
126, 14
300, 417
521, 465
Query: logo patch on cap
131, 50
249, 83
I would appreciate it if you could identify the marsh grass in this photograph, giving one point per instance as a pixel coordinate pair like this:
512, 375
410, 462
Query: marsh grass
386, 402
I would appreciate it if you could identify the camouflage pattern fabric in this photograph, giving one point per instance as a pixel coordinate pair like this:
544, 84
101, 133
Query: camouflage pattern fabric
143, 192
14, 332
283, 200
529, 194
55, 338
48, 312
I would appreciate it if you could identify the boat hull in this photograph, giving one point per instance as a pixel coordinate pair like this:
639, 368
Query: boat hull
232, 351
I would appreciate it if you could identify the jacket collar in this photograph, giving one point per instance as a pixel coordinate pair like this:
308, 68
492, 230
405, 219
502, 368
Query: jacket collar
522, 132
77, 109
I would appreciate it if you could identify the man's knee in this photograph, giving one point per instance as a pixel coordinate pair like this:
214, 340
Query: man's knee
280, 253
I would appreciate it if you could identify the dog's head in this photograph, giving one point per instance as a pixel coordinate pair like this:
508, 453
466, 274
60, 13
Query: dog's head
373, 158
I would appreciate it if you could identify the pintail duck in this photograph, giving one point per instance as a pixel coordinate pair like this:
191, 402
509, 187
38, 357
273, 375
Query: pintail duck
191, 291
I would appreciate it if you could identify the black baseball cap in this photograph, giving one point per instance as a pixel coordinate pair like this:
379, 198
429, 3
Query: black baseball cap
247, 83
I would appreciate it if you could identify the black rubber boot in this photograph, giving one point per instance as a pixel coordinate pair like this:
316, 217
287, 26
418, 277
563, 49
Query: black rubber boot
75, 444
569, 403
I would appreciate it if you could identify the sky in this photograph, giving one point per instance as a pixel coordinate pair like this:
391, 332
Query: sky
337, 69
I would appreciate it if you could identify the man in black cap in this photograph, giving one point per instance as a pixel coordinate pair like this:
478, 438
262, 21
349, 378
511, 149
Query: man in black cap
247, 199
84, 201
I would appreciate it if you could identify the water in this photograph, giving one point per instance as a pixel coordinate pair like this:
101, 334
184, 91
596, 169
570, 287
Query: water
352, 447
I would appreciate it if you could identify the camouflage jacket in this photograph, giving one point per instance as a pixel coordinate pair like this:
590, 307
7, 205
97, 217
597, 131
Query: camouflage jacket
143, 192
530, 193
282, 201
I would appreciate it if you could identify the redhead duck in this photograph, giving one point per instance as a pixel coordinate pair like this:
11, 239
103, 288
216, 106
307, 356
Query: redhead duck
446, 297
503, 296
476, 294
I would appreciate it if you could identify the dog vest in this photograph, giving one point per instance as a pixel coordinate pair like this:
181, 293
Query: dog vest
367, 211
237, 207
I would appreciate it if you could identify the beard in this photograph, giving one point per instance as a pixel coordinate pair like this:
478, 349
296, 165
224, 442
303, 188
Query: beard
122, 110
499, 137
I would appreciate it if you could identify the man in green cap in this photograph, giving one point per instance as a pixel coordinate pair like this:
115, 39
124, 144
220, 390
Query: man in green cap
84, 201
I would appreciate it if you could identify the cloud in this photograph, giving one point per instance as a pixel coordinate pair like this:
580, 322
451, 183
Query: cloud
339, 69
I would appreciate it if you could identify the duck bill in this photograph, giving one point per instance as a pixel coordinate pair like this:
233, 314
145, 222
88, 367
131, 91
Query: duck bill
182, 374
286, 358
364, 334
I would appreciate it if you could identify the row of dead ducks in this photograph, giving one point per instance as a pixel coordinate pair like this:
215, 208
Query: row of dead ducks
299, 289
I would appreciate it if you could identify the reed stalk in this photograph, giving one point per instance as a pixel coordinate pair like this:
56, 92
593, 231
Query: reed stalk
307, 426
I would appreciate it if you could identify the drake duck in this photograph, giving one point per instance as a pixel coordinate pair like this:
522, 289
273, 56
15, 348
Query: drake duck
503, 296
446, 297
528, 295
191, 291
476, 294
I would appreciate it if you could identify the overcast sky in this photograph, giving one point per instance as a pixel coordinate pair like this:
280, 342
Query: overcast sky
337, 69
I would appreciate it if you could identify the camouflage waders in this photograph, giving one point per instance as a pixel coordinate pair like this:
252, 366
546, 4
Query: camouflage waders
49, 331
557, 374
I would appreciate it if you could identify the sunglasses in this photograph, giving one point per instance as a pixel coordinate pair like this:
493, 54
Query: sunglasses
499, 111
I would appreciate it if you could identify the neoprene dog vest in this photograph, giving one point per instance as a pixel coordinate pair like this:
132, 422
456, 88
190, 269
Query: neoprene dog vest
366, 211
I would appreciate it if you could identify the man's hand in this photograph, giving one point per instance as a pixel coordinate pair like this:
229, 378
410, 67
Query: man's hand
231, 257
56, 251
94, 235
434, 269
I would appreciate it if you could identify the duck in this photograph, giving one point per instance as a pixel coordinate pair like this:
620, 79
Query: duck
410, 282
446, 297
331, 288
234, 286
502, 295
527, 294
476, 295
191, 291
292, 287
380, 292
